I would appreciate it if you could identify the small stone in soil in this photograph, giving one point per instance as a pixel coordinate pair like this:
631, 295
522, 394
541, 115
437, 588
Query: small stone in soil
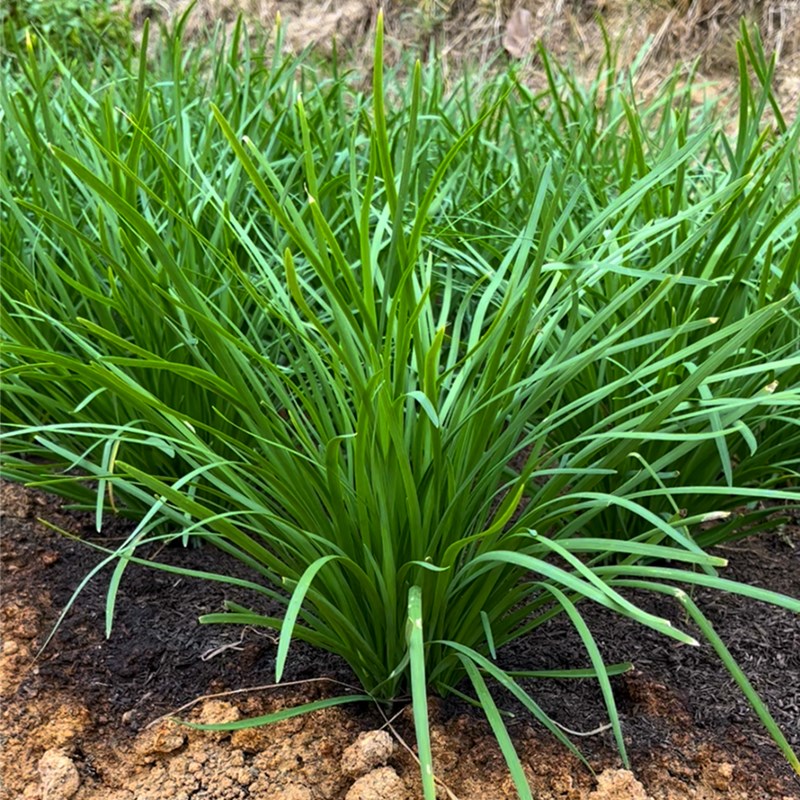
215, 712
618, 784
165, 738
372, 749
59, 776
380, 784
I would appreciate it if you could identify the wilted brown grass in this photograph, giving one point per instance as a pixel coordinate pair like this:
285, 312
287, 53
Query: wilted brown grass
679, 31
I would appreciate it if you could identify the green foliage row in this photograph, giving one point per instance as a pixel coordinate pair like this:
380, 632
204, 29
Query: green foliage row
77, 29
438, 365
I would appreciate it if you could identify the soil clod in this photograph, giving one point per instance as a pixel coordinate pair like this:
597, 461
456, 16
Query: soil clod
380, 784
59, 776
372, 749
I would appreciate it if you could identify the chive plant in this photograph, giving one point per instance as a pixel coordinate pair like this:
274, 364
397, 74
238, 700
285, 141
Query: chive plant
748, 256
69, 265
430, 411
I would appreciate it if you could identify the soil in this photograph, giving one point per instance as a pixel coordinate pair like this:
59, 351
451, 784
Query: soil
84, 720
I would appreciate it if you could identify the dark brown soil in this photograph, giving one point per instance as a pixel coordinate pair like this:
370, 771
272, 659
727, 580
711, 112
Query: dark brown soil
87, 700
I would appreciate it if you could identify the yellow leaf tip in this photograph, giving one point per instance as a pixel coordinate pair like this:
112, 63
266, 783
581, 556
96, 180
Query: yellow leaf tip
713, 516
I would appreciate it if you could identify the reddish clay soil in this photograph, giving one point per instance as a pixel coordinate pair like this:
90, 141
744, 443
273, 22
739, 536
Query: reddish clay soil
81, 721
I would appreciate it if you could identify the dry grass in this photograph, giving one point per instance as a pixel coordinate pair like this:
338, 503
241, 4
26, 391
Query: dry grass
678, 30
